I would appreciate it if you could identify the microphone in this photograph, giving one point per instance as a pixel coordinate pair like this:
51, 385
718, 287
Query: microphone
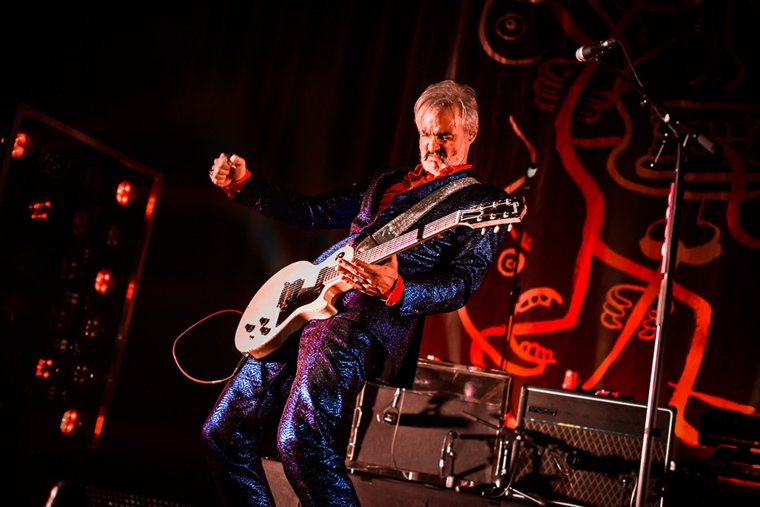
529, 174
586, 53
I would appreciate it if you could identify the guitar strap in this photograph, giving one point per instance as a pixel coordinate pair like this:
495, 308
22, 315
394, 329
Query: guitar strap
408, 218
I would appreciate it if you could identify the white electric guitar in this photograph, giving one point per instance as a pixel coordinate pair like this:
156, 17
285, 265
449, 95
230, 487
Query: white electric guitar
304, 291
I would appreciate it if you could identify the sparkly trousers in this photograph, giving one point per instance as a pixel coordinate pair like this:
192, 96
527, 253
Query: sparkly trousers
308, 386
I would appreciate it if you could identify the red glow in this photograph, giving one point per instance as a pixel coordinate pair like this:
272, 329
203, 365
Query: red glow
103, 281
151, 205
39, 210
43, 368
70, 422
20, 145
130, 290
98, 426
125, 193
571, 380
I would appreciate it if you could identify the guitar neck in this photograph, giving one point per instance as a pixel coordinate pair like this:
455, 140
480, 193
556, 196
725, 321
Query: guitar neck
409, 239
507, 211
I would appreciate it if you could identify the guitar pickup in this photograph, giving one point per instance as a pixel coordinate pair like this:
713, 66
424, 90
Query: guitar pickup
249, 328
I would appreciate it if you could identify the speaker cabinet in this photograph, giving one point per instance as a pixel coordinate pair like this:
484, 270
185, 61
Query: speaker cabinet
580, 449
445, 431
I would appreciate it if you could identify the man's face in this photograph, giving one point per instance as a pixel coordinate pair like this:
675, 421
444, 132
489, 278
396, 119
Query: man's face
443, 140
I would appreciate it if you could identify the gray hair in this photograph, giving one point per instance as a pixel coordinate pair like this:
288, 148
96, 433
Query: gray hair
448, 94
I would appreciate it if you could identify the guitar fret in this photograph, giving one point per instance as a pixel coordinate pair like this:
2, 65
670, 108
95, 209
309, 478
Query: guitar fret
440, 225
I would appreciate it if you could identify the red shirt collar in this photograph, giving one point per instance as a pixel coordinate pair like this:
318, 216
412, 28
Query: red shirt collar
418, 175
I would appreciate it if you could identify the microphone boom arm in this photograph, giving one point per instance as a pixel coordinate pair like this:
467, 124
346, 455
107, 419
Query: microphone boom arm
680, 126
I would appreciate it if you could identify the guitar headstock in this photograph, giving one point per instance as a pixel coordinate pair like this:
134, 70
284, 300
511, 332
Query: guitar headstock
507, 211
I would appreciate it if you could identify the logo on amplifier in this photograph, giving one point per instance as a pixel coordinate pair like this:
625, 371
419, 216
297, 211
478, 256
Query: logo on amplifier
541, 410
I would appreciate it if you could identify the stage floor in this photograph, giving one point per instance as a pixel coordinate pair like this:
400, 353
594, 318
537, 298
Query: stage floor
173, 481
378, 491
697, 485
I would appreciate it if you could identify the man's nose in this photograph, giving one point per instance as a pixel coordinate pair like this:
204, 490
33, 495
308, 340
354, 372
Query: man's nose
433, 144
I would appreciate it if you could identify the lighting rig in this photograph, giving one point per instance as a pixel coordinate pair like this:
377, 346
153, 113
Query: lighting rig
75, 222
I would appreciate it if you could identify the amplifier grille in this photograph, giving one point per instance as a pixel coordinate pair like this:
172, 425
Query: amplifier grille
594, 468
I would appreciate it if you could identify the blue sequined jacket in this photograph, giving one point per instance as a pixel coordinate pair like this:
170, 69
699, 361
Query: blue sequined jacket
439, 274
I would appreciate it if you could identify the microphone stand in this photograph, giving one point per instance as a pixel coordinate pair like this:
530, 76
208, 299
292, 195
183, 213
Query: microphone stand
514, 292
684, 134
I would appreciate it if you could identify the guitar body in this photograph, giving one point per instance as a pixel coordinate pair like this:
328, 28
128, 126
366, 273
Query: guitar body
296, 294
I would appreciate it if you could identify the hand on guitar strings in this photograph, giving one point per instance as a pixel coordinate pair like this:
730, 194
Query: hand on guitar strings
227, 169
371, 279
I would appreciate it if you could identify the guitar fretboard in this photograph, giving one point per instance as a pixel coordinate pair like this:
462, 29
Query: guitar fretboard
409, 239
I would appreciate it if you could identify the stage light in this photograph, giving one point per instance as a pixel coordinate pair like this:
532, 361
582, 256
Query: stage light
80, 225
112, 237
21, 145
81, 374
60, 344
79, 216
39, 210
103, 281
55, 161
44, 366
69, 269
125, 193
70, 422
93, 327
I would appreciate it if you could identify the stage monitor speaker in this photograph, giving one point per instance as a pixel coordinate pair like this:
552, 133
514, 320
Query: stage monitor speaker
575, 448
445, 431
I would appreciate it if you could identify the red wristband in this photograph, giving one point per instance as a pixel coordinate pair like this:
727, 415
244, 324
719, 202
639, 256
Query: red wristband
235, 187
393, 296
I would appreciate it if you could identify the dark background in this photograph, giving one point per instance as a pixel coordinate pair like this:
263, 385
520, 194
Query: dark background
316, 95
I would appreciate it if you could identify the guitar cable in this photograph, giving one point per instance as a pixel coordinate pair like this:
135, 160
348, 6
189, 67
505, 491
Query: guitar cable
176, 360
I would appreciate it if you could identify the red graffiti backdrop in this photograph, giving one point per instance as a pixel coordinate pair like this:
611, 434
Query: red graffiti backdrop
585, 265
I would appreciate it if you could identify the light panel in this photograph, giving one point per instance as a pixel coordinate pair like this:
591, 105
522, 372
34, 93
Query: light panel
76, 219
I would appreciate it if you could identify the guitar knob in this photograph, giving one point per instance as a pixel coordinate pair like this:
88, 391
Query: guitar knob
496, 229
263, 321
249, 328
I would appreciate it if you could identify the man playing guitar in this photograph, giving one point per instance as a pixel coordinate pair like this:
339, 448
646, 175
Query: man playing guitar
309, 380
